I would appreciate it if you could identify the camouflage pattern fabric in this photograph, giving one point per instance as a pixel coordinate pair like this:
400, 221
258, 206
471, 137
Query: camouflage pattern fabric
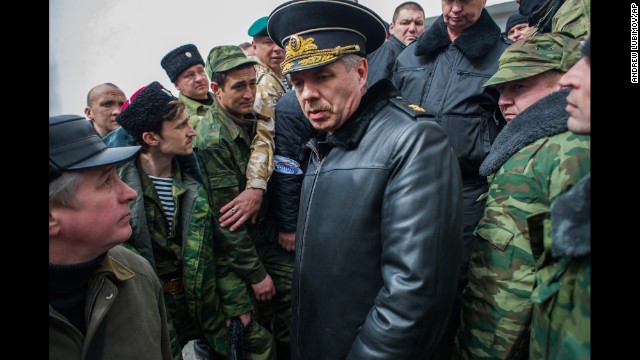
261, 162
194, 109
496, 305
535, 55
269, 89
573, 17
210, 295
223, 149
561, 321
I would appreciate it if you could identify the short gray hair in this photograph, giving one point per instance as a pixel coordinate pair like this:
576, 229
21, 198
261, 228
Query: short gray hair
62, 191
350, 61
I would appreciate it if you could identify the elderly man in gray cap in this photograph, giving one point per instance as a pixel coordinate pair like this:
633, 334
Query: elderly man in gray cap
104, 300
378, 241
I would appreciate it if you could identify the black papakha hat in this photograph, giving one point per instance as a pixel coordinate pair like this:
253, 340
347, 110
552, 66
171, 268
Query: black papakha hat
318, 32
74, 144
145, 110
180, 59
514, 20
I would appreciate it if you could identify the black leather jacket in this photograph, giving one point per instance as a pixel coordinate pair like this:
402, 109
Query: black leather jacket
378, 245
446, 78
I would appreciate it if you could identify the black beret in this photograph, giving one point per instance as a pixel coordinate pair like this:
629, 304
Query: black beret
318, 32
145, 109
180, 59
514, 20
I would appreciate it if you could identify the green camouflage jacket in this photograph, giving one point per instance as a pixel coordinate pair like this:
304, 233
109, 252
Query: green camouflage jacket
195, 109
574, 17
212, 293
223, 149
533, 160
561, 321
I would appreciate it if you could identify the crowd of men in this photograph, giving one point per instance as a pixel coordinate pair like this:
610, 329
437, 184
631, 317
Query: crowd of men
337, 189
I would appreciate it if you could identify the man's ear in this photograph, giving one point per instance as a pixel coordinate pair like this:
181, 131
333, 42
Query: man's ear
363, 69
215, 88
150, 138
54, 224
87, 112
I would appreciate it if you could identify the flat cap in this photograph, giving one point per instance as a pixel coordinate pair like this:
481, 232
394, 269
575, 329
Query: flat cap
74, 144
315, 33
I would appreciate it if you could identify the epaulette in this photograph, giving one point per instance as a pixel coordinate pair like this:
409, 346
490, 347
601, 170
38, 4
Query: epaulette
412, 109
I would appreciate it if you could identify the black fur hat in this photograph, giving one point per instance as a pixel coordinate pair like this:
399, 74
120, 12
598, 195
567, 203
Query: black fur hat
145, 109
180, 59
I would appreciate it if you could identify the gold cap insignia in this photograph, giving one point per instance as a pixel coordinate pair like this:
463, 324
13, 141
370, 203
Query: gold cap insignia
302, 53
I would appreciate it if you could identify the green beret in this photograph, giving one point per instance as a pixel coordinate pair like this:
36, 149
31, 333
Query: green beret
259, 27
534, 55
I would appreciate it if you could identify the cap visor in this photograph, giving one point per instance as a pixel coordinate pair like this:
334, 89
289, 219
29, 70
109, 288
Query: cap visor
107, 157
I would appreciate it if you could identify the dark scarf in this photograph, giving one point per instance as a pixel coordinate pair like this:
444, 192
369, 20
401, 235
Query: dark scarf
474, 42
546, 117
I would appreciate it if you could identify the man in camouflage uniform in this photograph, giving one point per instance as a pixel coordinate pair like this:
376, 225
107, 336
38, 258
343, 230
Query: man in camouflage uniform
561, 322
172, 222
223, 149
570, 16
271, 83
185, 68
532, 161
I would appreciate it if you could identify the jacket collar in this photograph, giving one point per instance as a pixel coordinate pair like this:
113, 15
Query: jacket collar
544, 118
474, 42
115, 269
376, 97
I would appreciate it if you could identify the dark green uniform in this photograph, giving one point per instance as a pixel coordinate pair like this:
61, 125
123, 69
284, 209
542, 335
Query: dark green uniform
223, 149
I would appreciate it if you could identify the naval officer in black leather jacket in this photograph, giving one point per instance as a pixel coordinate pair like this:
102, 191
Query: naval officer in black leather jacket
379, 234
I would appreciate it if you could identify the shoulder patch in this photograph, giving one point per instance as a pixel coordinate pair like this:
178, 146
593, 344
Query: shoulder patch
411, 109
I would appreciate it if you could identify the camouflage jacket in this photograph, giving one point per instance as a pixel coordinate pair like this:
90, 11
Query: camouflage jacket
269, 89
561, 321
196, 110
571, 16
212, 293
223, 150
533, 160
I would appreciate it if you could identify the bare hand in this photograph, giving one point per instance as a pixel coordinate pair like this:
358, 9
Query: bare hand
264, 290
245, 318
287, 240
245, 206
